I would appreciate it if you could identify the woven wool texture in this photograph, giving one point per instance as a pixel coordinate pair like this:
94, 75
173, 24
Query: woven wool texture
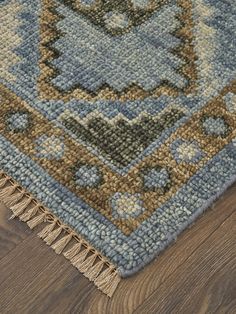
117, 123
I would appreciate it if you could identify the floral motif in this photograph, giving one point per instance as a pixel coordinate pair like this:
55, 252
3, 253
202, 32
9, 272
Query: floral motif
87, 176
17, 121
116, 20
215, 126
156, 178
126, 205
50, 147
186, 151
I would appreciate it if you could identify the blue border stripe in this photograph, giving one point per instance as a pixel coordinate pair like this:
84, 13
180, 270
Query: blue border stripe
132, 252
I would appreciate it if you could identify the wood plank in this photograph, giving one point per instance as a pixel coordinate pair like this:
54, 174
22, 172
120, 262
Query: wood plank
34, 279
49, 291
22, 264
205, 282
12, 232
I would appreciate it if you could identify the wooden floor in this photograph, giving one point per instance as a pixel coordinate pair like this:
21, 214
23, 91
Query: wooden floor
195, 275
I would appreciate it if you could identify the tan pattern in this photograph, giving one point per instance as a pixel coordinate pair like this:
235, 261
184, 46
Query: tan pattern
99, 198
9, 39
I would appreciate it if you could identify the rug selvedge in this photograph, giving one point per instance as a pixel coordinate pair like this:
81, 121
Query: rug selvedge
117, 181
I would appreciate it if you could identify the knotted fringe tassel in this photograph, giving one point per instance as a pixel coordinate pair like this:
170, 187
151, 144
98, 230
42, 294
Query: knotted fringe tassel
27, 215
51, 237
14, 198
78, 259
3, 181
19, 208
46, 230
93, 272
59, 246
85, 258
87, 263
73, 251
32, 223
108, 281
6, 192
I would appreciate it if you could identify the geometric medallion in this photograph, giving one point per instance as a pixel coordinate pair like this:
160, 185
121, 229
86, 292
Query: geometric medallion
158, 34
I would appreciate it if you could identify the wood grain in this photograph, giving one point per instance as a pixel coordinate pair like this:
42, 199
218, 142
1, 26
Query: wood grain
11, 232
211, 267
195, 275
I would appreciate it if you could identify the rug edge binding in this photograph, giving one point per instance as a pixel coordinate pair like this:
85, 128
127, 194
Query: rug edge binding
188, 225
88, 260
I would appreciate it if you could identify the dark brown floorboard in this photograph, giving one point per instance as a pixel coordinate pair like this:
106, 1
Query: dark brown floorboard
195, 275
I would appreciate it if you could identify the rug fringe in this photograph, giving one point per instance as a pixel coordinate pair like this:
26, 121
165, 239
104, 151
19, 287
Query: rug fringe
27, 214
59, 246
85, 258
52, 236
35, 221
46, 230
73, 251
19, 208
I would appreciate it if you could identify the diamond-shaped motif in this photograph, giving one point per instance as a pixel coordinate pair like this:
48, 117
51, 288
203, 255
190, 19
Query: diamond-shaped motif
87, 176
115, 17
127, 34
156, 178
126, 205
215, 126
50, 147
17, 121
186, 151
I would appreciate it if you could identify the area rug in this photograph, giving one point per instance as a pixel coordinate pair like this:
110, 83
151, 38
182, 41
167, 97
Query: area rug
117, 123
